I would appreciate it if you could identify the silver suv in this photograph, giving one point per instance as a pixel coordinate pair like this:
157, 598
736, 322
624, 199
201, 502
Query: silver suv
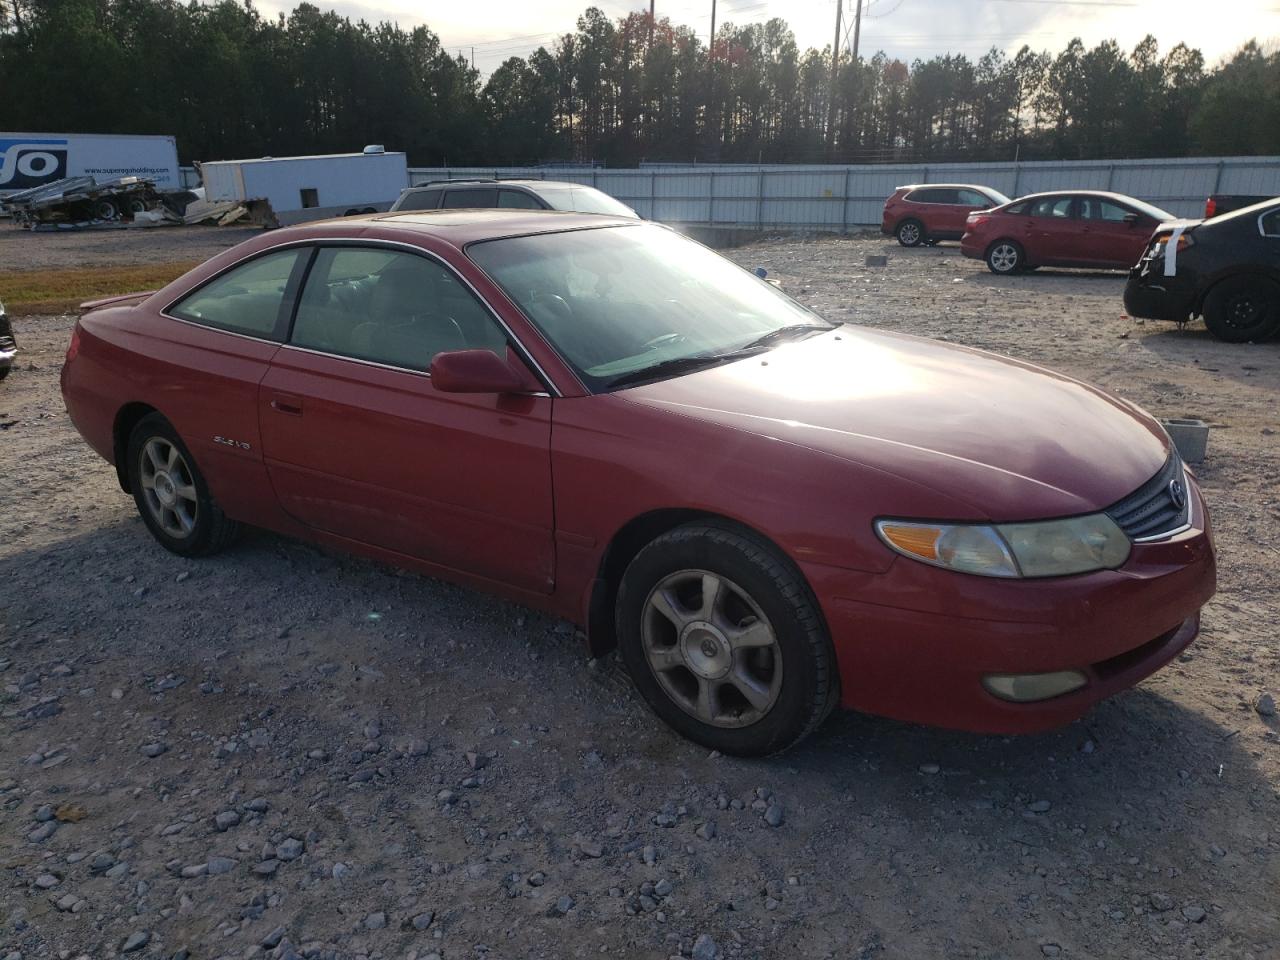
511, 194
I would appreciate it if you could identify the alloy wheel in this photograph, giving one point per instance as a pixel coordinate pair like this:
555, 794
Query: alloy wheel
711, 648
1004, 257
168, 487
909, 234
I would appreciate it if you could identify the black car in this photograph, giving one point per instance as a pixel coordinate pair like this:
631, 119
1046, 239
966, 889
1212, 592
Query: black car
1221, 203
511, 194
1226, 269
8, 346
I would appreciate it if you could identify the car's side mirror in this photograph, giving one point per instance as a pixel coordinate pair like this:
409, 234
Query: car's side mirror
1132, 219
481, 371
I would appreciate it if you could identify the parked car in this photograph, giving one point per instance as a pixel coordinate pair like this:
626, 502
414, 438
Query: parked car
769, 514
515, 194
1221, 203
1078, 228
8, 345
1226, 269
927, 213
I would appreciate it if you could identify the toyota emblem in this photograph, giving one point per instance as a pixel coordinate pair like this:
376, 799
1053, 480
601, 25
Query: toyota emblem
1177, 493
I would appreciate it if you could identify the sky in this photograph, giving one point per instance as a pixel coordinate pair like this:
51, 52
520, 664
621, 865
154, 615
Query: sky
907, 29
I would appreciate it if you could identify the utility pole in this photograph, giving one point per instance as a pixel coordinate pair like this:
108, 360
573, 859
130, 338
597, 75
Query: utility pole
651, 3
711, 45
835, 73
857, 29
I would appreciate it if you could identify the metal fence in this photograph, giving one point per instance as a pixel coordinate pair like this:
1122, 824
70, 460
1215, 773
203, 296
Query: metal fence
840, 198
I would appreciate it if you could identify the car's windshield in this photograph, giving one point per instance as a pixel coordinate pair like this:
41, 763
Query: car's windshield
621, 301
583, 200
1155, 213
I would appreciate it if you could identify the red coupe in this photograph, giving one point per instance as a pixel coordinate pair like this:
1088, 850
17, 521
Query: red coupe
767, 513
1081, 228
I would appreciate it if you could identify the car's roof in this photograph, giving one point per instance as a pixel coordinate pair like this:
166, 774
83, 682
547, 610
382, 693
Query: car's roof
1105, 194
457, 227
948, 186
486, 182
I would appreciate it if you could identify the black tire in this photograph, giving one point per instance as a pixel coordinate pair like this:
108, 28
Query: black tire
1005, 257
1242, 309
910, 233
105, 209
351, 213
807, 689
369, 210
211, 530
4, 372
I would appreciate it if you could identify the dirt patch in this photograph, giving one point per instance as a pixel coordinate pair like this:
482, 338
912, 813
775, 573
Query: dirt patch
127, 246
285, 745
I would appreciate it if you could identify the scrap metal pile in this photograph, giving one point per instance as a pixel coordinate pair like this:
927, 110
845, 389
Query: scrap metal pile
80, 202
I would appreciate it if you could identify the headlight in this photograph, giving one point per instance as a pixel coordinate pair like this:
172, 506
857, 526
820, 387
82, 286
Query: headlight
1046, 548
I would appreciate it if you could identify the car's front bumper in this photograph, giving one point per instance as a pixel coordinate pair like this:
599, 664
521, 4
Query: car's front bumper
916, 642
1153, 296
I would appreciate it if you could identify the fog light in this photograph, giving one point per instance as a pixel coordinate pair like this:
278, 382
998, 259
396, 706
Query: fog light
1026, 687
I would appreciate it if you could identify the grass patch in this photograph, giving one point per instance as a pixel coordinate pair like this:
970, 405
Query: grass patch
61, 291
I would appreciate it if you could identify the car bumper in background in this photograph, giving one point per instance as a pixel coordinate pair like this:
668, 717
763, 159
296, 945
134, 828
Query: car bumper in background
922, 644
1153, 296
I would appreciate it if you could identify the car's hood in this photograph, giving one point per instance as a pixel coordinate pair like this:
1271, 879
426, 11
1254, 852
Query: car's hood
1013, 441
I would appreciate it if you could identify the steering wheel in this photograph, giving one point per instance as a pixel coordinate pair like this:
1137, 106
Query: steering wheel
665, 338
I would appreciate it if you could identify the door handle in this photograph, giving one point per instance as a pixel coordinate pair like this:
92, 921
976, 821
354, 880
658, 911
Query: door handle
291, 405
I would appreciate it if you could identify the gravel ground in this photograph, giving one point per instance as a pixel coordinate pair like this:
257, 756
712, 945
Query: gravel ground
24, 250
285, 752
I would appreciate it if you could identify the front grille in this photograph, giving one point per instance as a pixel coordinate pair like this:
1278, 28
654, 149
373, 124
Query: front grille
1153, 511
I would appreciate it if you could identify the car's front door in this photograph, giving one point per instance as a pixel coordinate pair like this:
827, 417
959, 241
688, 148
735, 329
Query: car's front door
1112, 235
358, 443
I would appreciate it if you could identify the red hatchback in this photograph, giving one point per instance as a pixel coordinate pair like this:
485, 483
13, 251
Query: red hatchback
767, 513
925, 213
1082, 228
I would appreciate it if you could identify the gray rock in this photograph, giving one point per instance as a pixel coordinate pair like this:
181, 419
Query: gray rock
47, 881
45, 813
220, 865
708, 830
272, 939
375, 921
663, 887
929, 768
423, 920
1194, 914
418, 748
290, 848
195, 870
257, 805
704, 948
67, 902
1266, 705
1160, 902
1039, 806
562, 906
1050, 949
774, 816
649, 854
101, 863
153, 750
593, 849
43, 832
226, 820
135, 941
536, 879
267, 868
341, 871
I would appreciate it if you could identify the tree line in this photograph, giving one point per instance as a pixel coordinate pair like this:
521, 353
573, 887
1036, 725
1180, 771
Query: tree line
229, 82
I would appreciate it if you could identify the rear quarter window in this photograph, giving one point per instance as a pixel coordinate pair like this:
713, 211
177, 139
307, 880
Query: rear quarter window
420, 200
1269, 223
246, 299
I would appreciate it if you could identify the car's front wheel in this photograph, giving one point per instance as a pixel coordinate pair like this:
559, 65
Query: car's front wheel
911, 233
1243, 309
724, 640
1005, 257
171, 493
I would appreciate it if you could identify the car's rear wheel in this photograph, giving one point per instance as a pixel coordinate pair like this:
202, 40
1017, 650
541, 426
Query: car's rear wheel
171, 493
1241, 309
1005, 257
911, 233
724, 640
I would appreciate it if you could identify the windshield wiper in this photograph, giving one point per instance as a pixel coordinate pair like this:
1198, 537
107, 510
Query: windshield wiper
671, 367
783, 333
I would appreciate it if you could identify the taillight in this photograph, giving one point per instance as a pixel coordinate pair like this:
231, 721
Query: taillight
976, 219
74, 347
1210, 208
1160, 242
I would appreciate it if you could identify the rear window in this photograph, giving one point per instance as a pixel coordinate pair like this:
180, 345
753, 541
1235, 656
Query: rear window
246, 299
517, 200
1058, 208
584, 200
419, 200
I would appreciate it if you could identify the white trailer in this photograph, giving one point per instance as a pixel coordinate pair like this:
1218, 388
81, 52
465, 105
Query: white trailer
29, 160
296, 189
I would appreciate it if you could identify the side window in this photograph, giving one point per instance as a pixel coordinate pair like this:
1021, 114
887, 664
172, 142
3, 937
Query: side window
1269, 223
1018, 208
933, 195
517, 200
1095, 208
972, 198
420, 200
245, 299
1057, 208
471, 197
371, 303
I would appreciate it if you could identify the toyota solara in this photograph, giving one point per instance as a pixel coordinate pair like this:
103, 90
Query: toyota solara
767, 514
